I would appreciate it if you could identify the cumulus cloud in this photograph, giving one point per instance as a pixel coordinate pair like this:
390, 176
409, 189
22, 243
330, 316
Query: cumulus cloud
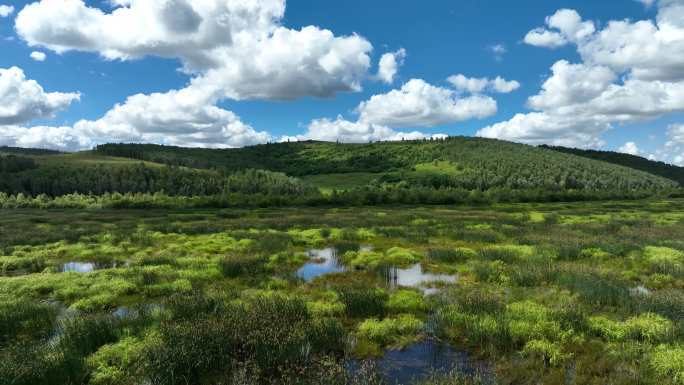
389, 65
563, 27
543, 128
541, 37
237, 46
38, 56
631, 71
416, 104
232, 49
185, 117
630, 148
23, 100
673, 150
479, 85
59, 138
6, 10
676, 133
420, 104
355, 132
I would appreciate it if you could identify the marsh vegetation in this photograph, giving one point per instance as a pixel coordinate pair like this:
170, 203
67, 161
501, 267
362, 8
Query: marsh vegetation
572, 293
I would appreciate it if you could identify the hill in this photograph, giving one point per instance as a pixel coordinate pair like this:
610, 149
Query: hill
442, 171
458, 162
632, 161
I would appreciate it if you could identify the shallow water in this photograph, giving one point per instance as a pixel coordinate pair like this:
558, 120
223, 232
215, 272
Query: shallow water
417, 278
323, 261
418, 361
85, 267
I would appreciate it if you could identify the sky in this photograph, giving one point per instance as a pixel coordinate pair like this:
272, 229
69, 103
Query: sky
230, 73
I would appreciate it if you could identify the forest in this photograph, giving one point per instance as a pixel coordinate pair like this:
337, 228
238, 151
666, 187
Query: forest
445, 171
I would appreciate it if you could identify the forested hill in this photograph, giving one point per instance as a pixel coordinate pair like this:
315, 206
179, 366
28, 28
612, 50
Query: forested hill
4, 150
632, 161
457, 162
453, 170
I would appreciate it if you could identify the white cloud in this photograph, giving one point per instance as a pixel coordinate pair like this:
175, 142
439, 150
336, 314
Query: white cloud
389, 65
571, 84
58, 138
236, 46
38, 56
565, 26
676, 133
23, 100
6, 10
673, 150
185, 117
232, 49
647, 3
543, 128
631, 71
541, 37
416, 104
355, 132
419, 104
479, 85
630, 148
499, 50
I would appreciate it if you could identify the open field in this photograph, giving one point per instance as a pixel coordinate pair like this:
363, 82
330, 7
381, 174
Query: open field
557, 293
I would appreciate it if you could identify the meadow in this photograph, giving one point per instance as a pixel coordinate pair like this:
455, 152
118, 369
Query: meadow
547, 293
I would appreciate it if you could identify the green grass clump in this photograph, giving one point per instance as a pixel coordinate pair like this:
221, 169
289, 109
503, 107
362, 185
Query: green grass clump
240, 265
457, 255
406, 301
117, 363
398, 332
363, 303
24, 319
668, 363
396, 256
647, 327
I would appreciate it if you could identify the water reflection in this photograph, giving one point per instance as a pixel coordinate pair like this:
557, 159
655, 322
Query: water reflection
418, 361
323, 261
85, 267
417, 278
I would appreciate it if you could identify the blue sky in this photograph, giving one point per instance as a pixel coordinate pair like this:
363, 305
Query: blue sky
441, 38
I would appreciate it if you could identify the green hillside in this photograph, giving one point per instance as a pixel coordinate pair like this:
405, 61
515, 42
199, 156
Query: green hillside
632, 161
453, 170
458, 162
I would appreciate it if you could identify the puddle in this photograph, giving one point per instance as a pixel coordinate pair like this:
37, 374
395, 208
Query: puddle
640, 290
418, 361
417, 278
124, 312
323, 262
85, 267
